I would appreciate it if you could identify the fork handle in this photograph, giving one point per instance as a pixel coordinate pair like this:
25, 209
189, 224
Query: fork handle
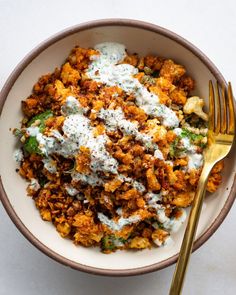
187, 243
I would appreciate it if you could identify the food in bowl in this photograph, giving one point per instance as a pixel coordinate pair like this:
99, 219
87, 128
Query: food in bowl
112, 146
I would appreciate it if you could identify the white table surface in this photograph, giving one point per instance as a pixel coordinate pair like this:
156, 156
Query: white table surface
211, 26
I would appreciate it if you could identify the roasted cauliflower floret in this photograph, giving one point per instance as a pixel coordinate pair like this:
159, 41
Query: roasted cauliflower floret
195, 104
159, 236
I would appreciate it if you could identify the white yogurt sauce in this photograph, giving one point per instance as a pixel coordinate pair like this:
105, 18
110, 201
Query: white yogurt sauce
158, 154
153, 198
32, 131
18, 155
50, 165
136, 184
72, 106
46, 144
77, 128
119, 211
116, 226
34, 185
71, 190
172, 224
77, 132
105, 68
168, 242
91, 179
195, 160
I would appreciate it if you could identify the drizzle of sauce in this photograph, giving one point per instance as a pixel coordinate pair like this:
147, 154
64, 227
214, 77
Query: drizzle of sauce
79, 131
172, 224
18, 155
71, 190
34, 185
195, 160
115, 119
136, 184
91, 179
72, 106
50, 165
105, 68
116, 226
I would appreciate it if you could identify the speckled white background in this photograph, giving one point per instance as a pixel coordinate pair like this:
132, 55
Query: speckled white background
211, 26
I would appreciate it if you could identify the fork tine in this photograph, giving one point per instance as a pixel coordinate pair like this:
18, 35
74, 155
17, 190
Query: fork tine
211, 107
231, 126
224, 119
218, 117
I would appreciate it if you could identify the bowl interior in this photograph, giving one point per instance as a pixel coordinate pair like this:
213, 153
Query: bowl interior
137, 40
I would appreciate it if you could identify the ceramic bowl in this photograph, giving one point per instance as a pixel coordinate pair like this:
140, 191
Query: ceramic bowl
139, 37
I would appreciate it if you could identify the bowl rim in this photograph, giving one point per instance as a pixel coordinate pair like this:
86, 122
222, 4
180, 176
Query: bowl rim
3, 96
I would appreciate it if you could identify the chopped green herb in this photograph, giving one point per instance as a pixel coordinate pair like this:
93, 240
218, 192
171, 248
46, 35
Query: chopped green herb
148, 71
42, 181
148, 80
194, 138
160, 225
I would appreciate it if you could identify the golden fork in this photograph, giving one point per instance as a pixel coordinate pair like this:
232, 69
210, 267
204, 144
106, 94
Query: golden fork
220, 141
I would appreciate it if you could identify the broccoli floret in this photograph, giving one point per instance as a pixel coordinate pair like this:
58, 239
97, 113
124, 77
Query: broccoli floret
31, 144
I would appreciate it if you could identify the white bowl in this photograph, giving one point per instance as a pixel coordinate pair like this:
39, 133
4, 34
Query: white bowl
139, 37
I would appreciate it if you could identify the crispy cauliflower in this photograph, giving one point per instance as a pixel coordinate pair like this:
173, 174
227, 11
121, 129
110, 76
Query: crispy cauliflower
195, 104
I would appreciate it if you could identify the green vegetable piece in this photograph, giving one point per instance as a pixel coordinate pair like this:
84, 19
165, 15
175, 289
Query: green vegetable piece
31, 146
173, 147
146, 79
42, 181
155, 74
160, 225
122, 240
148, 71
42, 117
